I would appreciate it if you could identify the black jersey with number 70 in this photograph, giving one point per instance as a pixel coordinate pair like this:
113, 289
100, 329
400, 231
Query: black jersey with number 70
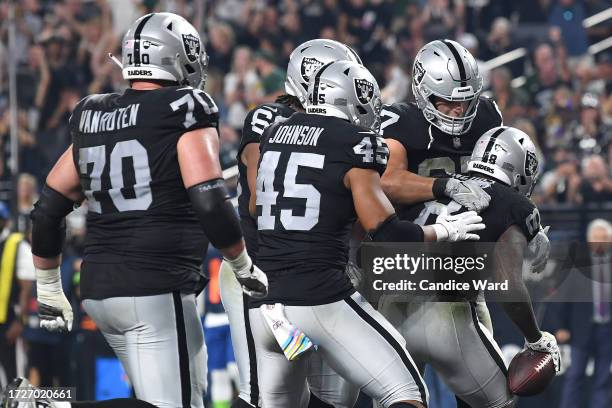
142, 235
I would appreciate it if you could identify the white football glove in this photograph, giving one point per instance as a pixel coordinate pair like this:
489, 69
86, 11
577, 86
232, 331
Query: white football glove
253, 280
547, 344
538, 251
468, 193
458, 227
54, 310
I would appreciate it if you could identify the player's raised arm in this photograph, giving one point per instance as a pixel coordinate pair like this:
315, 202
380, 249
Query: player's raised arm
61, 191
198, 156
377, 216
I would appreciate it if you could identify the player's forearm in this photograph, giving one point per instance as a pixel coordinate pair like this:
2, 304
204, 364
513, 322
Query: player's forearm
404, 187
522, 316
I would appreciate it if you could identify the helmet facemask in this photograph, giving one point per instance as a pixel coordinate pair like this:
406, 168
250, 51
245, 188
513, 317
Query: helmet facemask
450, 125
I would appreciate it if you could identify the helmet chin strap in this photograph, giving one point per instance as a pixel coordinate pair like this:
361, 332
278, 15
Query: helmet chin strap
115, 60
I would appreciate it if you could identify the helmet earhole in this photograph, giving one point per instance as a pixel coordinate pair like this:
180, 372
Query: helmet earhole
189, 69
361, 110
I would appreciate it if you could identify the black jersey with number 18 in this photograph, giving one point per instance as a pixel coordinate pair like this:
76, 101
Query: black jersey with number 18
304, 210
142, 234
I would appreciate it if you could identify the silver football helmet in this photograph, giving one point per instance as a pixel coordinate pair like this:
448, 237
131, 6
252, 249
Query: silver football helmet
445, 69
164, 46
507, 155
347, 90
310, 56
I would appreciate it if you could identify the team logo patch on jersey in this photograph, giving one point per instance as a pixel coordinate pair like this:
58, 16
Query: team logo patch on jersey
191, 43
364, 90
531, 163
309, 66
419, 72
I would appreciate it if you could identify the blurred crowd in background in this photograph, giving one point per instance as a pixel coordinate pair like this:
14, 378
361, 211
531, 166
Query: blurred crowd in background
558, 91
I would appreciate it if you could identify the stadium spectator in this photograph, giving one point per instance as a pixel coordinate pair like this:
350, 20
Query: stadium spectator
500, 41
27, 194
272, 77
590, 132
441, 21
220, 47
512, 102
546, 78
587, 326
561, 184
240, 87
596, 185
568, 16
17, 271
559, 118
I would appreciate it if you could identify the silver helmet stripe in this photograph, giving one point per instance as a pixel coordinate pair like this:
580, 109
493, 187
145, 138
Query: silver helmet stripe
137, 33
459, 61
485, 156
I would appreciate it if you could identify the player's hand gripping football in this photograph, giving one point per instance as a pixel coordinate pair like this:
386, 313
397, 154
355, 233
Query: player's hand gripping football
54, 310
547, 344
468, 193
253, 280
538, 251
458, 227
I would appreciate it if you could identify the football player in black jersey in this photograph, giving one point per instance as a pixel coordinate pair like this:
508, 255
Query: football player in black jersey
449, 335
147, 163
436, 135
317, 173
325, 385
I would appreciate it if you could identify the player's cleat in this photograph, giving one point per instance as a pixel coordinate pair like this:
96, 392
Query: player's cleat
19, 394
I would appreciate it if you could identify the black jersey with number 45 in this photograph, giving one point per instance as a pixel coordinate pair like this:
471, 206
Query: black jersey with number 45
432, 152
142, 234
506, 208
256, 121
304, 211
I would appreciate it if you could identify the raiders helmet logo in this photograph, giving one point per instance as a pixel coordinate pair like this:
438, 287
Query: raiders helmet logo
191, 43
309, 67
364, 90
419, 72
531, 164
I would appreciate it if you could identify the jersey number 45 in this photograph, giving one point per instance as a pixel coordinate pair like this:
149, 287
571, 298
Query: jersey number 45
267, 197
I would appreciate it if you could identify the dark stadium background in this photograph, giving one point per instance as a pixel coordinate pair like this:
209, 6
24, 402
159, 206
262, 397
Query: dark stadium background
547, 63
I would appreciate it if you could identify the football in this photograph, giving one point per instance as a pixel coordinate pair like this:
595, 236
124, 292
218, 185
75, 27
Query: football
530, 372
